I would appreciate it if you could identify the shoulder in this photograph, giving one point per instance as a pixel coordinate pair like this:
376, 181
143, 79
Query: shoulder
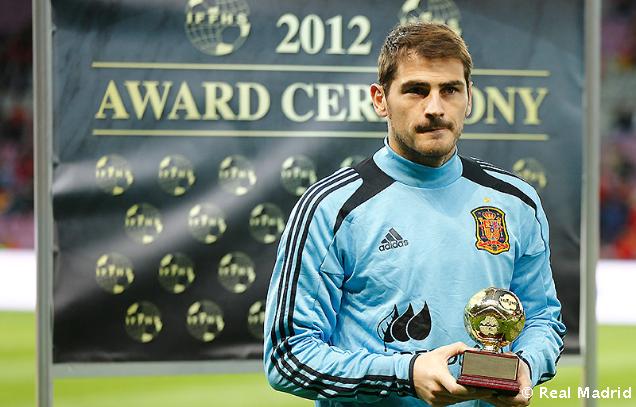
330, 192
333, 198
491, 176
320, 203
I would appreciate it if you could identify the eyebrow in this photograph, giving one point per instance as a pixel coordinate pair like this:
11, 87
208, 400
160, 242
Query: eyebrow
409, 84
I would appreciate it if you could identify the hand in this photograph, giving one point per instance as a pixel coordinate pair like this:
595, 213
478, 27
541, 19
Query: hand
434, 383
523, 398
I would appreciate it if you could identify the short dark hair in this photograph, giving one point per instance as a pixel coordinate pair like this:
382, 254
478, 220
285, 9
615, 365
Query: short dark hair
429, 40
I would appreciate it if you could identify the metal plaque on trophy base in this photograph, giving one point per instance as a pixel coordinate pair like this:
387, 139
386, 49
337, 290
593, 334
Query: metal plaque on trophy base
493, 317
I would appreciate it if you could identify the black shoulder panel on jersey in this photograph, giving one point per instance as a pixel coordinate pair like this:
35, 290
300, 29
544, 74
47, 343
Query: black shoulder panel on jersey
490, 167
374, 181
475, 173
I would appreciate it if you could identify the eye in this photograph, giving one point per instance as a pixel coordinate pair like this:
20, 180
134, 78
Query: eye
418, 90
450, 90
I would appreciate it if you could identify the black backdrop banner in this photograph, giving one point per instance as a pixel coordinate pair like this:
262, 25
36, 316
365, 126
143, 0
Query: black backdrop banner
185, 131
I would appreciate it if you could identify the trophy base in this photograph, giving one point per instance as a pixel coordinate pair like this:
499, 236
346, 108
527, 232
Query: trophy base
490, 370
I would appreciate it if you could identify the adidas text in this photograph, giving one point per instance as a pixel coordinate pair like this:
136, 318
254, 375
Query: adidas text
393, 245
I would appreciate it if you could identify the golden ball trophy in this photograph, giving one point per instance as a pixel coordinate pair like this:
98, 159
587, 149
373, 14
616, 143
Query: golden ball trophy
493, 317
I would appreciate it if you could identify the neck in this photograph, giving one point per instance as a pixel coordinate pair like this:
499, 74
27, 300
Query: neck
417, 175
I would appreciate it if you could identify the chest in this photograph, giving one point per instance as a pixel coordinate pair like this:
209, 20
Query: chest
423, 243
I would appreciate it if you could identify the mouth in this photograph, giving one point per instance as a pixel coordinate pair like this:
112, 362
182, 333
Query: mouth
434, 125
430, 129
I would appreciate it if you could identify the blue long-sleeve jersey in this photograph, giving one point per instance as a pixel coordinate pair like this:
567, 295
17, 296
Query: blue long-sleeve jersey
377, 263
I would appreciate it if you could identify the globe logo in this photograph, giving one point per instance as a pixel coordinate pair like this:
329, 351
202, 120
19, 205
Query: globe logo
176, 175
206, 223
113, 174
176, 272
114, 273
532, 171
236, 175
431, 11
267, 223
297, 174
217, 27
205, 320
143, 321
143, 223
352, 160
236, 272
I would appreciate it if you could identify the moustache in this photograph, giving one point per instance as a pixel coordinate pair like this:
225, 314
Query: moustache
435, 123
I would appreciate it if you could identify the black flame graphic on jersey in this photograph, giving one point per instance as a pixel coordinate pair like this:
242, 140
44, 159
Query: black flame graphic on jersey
402, 328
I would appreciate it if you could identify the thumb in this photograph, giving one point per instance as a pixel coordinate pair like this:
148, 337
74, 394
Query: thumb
453, 349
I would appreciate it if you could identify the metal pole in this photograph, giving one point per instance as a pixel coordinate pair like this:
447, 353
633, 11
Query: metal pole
43, 119
590, 221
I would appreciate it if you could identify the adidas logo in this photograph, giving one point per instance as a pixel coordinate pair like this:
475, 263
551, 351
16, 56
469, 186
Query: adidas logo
392, 240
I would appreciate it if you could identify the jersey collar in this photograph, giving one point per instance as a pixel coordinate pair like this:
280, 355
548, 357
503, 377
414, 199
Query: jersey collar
417, 175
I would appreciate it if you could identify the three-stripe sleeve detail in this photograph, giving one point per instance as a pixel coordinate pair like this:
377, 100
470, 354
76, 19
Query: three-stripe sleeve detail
296, 223
282, 357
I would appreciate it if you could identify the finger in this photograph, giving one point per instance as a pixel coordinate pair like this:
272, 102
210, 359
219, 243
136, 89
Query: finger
453, 349
498, 401
462, 393
450, 384
519, 400
438, 399
439, 394
443, 401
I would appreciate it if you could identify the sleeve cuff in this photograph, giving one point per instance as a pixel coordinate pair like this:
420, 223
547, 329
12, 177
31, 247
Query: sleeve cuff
411, 367
527, 362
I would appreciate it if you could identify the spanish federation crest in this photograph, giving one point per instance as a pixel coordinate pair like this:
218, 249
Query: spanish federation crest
490, 224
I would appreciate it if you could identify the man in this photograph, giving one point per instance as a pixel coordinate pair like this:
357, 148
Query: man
378, 261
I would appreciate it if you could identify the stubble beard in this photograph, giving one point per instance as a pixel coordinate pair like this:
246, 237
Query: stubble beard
432, 156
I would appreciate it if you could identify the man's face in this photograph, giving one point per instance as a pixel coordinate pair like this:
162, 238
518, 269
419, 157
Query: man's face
425, 107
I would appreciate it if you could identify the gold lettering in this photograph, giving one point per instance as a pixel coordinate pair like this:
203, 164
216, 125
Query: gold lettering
288, 105
360, 104
184, 101
213, 14
241, 19
479, 107
216, 103
112, 101
157, 102
329, 95
227, 19
245, 100
505, 106
300, 102
532, 104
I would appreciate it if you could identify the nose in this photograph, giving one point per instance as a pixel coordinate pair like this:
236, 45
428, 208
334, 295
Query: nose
434, 106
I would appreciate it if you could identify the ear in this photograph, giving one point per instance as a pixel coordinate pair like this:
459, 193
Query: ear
469, 107
379, 99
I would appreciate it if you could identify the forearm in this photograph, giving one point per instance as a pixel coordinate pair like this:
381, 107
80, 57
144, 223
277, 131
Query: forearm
541, 342
306, 366
540, 345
